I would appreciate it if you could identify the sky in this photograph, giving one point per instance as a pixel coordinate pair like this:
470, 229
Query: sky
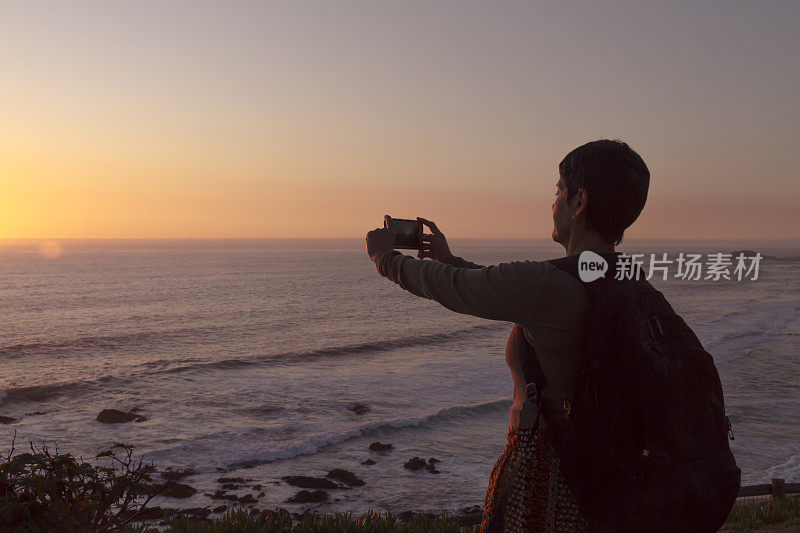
314, 119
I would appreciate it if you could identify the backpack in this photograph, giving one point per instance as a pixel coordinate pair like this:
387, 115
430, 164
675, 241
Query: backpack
643, 442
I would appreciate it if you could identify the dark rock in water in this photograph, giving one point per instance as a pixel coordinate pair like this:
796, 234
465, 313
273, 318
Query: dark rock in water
140, 419
359, 408
308, 482
378, 447
230, 497
368, 462
305, 496
247, 498
218, 495
178, 490
256, 487
195, 512
149, 513
115, 416
35, 413
408, 515
172, 490
415, 463
229, 486
239, 480
176, 474
260, 494
7, 419
472, 510
302, 516
345, 476
431, 466
220, 508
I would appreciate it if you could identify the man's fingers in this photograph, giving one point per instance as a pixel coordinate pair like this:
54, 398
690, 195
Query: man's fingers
431, 225
433, 239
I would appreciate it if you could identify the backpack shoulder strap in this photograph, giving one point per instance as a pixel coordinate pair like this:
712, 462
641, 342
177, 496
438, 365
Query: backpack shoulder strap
535, 380
568, 264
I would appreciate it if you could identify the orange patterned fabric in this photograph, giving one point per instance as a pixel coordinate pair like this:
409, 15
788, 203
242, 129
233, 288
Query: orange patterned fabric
527, 491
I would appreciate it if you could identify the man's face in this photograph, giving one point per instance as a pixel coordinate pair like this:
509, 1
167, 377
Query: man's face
561, 216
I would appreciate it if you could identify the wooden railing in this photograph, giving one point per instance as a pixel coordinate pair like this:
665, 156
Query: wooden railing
777, 490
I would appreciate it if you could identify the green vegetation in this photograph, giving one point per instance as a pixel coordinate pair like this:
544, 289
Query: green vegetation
44, 491
274, 522
755, 515
41, 491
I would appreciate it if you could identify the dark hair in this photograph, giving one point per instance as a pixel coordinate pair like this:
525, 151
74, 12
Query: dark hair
616, 180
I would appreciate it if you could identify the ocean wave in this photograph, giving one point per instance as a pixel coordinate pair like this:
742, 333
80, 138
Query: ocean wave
106, 342
315, 443
38, 393
788, 470
334, 351
768, 319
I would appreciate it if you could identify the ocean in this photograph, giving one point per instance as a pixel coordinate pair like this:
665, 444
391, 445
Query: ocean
248, 359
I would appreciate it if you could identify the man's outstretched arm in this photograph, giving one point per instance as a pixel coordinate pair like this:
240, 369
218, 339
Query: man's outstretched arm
460, 262
508, 291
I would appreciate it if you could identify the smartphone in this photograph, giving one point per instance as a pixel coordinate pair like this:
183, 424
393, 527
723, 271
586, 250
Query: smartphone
408, 233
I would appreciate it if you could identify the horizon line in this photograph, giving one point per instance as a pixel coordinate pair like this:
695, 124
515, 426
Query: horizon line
361, 237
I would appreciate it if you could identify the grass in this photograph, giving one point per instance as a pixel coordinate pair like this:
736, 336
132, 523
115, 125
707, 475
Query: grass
754, 515
746, 516
247, 522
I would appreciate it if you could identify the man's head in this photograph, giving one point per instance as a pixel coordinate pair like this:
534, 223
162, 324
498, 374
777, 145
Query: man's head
602, 187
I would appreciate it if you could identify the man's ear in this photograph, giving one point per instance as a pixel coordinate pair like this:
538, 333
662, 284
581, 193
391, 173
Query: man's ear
581, 202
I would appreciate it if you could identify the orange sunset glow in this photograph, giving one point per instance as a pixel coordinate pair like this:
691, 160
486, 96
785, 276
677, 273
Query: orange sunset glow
316, 119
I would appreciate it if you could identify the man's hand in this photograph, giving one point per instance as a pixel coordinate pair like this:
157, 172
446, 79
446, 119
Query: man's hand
435, 245
379, 240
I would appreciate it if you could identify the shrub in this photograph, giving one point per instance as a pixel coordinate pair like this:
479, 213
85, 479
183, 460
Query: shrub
42, 491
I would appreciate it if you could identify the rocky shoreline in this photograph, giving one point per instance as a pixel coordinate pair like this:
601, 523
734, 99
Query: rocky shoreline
237, 492
245, 492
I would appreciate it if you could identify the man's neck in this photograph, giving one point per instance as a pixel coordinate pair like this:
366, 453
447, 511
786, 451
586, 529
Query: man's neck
589, 241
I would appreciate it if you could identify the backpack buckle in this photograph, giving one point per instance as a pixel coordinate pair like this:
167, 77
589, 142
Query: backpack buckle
533, 392
567, 408
728, 425
650, 322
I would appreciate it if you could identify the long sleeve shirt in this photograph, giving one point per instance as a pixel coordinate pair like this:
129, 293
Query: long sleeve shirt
547, 302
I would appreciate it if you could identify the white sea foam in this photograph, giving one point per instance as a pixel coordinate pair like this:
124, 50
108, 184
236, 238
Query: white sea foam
788, 470
239, 450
